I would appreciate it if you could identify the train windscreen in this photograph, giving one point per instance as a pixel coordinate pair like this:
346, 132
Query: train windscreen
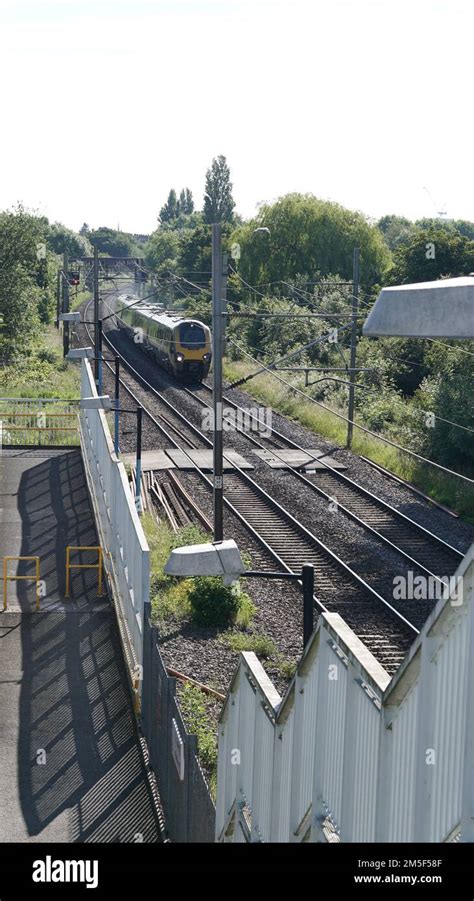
191, 335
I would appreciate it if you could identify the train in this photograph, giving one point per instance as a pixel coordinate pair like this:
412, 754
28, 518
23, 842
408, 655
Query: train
179, 344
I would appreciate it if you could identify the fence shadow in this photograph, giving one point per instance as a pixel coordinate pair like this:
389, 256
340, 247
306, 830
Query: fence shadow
81, 772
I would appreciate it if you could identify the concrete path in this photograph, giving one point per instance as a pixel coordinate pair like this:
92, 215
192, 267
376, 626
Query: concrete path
71, 767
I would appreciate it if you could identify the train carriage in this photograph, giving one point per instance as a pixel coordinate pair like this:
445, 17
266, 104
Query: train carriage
181, 345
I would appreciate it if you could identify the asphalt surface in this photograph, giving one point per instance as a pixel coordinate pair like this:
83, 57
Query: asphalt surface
71, 766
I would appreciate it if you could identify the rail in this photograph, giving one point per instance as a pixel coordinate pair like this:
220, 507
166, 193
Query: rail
350, 754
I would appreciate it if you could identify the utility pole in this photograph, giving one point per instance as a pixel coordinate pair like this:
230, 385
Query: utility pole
58, 297
217, 333
138, 467
65, 302
117, 404
99, 357
96, 316
352, 373
307, 572
225, 264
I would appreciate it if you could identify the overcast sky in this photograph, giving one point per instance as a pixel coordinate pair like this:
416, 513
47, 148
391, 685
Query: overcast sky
107, 105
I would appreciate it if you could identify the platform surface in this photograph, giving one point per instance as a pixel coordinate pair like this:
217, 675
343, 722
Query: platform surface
71, 768
202, 459
152, 461
309, 458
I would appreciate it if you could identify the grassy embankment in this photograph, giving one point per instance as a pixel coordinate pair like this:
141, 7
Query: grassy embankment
266, 389
207, 603
40, 373
43, 372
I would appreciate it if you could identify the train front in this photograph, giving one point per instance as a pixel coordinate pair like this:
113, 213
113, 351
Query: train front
192, 356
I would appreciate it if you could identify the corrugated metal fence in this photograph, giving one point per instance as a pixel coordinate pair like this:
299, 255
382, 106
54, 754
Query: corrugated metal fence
119, 524
188, 807
350, 754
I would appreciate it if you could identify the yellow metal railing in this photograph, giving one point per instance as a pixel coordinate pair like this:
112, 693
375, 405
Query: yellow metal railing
9, 578
69, 565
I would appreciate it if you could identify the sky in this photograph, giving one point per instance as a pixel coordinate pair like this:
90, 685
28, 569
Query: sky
107, 105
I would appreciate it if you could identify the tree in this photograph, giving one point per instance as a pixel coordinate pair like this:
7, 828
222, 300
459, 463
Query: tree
162, 251
395, 229
84, 229
309, 236
218, 200
447, 393
61, 239
170, 210
431, 254
26, 279
112, 242
185, 202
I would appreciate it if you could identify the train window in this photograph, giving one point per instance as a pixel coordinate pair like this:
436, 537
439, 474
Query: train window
191, 335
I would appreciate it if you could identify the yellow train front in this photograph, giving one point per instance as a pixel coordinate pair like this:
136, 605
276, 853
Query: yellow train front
183, 346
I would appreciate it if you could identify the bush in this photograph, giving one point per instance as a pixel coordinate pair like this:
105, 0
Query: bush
47, 356
212, 602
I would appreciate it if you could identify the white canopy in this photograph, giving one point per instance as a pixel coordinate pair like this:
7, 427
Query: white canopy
441, 309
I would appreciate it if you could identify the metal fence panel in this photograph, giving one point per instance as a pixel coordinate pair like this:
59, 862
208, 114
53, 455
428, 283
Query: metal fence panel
392, 759
119, 521
38, 422
188, 806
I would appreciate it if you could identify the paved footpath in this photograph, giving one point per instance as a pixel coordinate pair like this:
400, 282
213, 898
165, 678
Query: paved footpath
71, 767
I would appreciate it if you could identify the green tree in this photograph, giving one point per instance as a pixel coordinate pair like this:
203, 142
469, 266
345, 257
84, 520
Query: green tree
61, 239
448, 393
186, 202
395, 229
170, 210
308, 235
112, 242
26, 284
432, 254
162, 251
20, 300
218, 200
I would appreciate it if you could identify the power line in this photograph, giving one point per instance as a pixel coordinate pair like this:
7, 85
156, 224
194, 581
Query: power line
355, 424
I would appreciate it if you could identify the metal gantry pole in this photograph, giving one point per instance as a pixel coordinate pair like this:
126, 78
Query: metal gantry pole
308, 601
99, 357
217, 332
117, 404
352, 374
58, 297
96, 316
65, 304
138, 467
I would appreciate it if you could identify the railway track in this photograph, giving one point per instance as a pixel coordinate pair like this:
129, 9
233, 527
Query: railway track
386, 631
418, 545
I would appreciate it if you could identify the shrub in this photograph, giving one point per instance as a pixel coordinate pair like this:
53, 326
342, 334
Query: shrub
212, 602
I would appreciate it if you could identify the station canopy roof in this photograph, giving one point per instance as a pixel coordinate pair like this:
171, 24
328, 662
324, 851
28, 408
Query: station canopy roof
441, 309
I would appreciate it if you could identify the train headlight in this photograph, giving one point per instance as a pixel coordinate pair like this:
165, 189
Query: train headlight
206, 357
179, 358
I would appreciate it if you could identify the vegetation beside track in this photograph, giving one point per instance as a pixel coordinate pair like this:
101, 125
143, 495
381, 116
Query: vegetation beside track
203, 610
266, 389
41, 371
